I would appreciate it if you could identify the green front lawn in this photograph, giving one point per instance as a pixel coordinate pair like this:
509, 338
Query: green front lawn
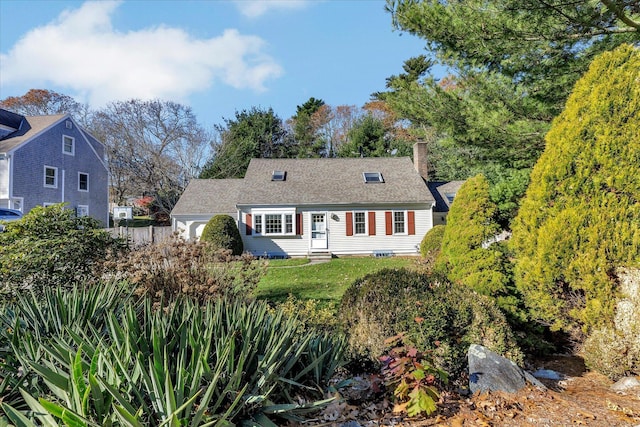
324, 281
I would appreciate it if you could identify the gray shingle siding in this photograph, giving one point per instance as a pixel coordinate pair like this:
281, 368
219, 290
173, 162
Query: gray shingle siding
46, 149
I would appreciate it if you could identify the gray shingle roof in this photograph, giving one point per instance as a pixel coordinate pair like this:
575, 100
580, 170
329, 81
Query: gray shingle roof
333, 181
440, 190
33, 126
209, 196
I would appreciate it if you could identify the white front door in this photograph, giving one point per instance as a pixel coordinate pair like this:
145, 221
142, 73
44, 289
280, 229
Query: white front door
318, 231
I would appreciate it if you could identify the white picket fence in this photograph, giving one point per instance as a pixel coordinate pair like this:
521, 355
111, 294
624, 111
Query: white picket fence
138, 236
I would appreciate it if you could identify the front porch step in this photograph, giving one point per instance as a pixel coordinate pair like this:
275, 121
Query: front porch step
319, 256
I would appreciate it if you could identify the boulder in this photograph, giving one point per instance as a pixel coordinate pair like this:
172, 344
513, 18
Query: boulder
488, 371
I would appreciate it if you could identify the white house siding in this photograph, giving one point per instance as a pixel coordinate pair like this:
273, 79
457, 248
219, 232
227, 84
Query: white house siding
4, 179
338, 241
190, 227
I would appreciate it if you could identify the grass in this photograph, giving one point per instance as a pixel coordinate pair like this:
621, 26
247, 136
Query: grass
289, 262
325, 282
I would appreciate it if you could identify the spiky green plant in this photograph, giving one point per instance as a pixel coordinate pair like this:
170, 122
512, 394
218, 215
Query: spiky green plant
220, 364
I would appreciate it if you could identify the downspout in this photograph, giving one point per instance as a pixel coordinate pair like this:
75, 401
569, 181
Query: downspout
62, 185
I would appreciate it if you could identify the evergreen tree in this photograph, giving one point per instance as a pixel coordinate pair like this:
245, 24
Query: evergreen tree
306, 129
254, 133
580, 217
464, 257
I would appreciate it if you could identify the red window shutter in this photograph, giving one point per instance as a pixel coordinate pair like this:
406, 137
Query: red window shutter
299, 229
248, 225
372, 223
388, 222
411, 219
349, 223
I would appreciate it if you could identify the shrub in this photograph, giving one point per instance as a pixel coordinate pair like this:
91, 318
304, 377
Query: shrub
432, 242
50, 246
615, 350
465, 256
309, 313
580, 218
434, 314
178, 267
221, 232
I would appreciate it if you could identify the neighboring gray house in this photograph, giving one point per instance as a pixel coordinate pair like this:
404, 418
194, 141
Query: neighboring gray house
51, 159
443, 192
299, 207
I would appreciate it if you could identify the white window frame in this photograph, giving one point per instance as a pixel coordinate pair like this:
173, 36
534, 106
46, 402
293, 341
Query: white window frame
46, 204
366, 223
73, 145
17, 203
405, 222
86, 190
55, 177
260, 222
84, 209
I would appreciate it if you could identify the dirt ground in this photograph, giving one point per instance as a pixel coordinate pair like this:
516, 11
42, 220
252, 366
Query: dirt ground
580, 398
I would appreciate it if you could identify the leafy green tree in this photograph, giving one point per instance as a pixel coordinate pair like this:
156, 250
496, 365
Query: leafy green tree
254, 133
581, 217
306, 129
512, 65
367, 138
221, 232
466, 257
50, 246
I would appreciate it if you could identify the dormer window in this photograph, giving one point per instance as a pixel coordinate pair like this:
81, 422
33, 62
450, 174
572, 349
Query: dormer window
278, 175
372, 177
450, 197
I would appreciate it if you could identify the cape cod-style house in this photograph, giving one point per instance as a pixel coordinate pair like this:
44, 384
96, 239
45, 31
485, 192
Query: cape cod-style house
302, 207
51, 159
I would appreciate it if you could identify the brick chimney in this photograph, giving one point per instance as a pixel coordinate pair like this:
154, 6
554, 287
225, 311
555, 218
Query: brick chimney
420, 159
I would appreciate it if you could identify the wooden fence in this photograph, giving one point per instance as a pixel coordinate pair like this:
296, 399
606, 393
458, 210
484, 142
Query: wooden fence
138, 236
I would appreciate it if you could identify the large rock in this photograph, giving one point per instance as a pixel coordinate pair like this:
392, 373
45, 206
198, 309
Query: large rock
488, 371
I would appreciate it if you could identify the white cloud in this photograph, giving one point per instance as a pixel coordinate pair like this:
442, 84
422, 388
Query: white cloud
81, 51
256, 8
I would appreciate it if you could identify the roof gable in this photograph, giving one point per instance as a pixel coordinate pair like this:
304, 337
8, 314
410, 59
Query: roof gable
31, 127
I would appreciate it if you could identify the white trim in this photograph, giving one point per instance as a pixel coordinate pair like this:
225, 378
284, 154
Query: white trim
405, 223
326, 232
86, 190
366, 223
55, 177
20, 200
73, 145
259, 215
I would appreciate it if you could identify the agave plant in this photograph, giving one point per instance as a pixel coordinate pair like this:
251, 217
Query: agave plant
221, 364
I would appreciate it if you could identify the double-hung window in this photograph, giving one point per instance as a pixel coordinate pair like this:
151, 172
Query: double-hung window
68, 145
50, 177
399, 222
360, 223
83, 181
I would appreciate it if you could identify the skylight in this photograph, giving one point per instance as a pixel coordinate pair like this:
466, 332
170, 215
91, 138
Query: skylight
278, 175
372, 177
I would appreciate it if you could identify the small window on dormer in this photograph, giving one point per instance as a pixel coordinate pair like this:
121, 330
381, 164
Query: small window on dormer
278, 175
69, 124
372, 177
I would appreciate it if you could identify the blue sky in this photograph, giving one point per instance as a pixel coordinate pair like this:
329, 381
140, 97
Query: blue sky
216, 56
